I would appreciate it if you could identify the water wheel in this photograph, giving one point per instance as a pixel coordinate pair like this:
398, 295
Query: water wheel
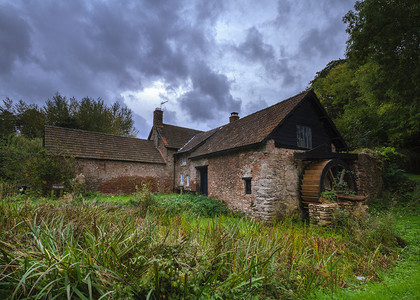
326, 175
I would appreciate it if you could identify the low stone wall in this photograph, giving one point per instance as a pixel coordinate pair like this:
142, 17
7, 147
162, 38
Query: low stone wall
368, 173
322, 213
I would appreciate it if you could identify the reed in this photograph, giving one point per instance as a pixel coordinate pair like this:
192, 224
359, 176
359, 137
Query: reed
82, 249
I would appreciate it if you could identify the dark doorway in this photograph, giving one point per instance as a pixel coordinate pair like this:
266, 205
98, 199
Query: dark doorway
203, 180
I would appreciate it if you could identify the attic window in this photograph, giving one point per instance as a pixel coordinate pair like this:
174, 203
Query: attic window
247, 181
184, 159
304, 136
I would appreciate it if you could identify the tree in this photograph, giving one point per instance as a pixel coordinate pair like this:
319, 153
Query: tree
373, 95
386, 34
7, 118
30, 120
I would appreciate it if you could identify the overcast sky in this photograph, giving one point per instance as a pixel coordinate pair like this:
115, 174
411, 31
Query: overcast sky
207, 58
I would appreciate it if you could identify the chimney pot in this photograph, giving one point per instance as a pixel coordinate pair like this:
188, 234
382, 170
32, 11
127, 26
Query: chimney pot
158, 118
233, 117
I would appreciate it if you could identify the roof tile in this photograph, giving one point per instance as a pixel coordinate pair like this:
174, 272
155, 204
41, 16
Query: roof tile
87, 144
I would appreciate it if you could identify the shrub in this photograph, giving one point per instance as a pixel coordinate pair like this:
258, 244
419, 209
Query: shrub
45, 169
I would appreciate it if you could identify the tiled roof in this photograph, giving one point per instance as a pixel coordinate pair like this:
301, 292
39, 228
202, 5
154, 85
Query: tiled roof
175, 136
87, 144
249, 130
198, 140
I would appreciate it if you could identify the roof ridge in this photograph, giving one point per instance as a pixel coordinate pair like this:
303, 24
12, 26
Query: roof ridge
165, 124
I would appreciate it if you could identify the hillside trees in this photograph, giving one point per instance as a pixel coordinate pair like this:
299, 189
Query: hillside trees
373, 95
87, 114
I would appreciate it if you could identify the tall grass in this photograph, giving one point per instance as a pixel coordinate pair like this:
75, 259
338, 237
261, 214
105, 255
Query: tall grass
76, 249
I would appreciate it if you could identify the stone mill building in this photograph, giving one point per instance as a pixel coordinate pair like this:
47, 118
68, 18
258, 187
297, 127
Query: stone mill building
274, 162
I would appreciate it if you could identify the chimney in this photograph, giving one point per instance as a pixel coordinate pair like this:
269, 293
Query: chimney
158, 118
233, 117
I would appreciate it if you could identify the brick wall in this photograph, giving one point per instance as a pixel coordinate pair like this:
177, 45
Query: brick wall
98, 172
275, 180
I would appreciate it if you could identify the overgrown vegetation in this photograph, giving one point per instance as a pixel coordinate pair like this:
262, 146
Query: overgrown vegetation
177, 246
25, 162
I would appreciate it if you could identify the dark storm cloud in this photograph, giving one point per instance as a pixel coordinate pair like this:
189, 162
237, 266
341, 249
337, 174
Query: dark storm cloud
210, 95
14, 38
320, 42
283, 12
102, 47
254, 49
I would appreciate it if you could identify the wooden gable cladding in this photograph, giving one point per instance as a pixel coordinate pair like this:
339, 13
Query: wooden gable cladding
94, 145
309, 113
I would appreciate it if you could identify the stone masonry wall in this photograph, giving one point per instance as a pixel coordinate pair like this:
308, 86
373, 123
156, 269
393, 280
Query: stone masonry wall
275, 180
368, 175
99, 171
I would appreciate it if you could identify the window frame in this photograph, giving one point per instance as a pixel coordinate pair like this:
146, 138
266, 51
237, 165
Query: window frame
247, 185
303, 136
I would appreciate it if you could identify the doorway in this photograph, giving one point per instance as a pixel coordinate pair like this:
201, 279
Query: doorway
203, 180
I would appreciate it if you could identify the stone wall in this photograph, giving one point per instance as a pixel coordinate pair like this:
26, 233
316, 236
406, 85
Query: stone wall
368, 173
323, 213
274, 173
97, 172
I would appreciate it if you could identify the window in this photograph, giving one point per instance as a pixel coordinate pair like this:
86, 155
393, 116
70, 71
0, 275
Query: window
304, 136
181, 180
188, 180
247, 181
184, 159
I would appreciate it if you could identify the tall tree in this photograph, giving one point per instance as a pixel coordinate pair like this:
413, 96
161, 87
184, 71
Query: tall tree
7, 118
373, 95
386, 34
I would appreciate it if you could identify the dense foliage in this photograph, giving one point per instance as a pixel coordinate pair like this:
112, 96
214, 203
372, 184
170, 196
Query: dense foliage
87, 114
373, 95
24, 161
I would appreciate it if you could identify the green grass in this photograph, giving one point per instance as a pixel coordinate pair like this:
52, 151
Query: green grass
402, 281
178, 247
415, 177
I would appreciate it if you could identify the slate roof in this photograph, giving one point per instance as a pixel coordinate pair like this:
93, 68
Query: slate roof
94, 145
175, 136
249, 130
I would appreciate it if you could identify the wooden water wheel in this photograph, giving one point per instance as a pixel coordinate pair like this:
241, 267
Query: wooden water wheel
326, 175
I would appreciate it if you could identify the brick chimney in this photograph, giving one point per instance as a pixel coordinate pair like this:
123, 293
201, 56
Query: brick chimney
158, 118
233, 117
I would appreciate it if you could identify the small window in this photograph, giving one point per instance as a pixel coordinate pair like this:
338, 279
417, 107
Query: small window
188, 180
181, 180
247, 181
184, 159
304, 136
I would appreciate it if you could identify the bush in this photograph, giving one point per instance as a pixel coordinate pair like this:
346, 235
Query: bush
45, 169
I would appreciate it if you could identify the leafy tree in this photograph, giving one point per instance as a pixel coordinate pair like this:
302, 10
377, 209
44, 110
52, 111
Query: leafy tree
30, 120
373, 95
7, 118
386, 34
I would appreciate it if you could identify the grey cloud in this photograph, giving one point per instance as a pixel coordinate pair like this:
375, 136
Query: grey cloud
320, 42
14, 38
283, 12
100, 48
210, 95
254, 49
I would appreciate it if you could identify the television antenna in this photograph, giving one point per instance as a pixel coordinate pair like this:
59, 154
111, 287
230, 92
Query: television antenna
161, 104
